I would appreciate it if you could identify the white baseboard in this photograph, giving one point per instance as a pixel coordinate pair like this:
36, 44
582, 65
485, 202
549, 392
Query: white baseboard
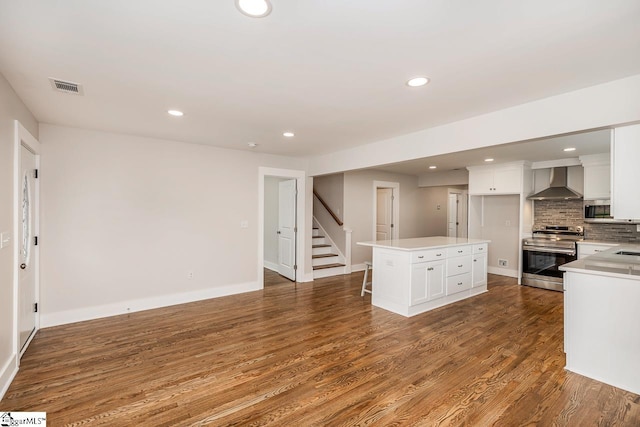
503, 271
357, 267
270, 265
124, 307
8, 373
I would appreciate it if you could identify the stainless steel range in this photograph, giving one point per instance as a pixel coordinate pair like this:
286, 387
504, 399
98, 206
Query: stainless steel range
543, 254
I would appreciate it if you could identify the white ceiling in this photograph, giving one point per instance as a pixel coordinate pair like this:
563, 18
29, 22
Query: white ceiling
549, 149
332, 71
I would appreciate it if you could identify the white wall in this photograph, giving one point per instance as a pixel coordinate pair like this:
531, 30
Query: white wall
271, 208
452, 177
499, 219
11, 108
358, 208
433, 220
125, 218
613, 103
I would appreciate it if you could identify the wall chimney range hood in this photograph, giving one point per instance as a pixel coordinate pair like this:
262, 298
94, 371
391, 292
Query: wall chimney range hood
558, 189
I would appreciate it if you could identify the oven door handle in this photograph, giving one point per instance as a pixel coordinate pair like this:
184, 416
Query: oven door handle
549, 250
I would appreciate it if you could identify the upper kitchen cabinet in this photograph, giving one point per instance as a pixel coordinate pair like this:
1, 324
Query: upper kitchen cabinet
625, 153
496, 179
597, 176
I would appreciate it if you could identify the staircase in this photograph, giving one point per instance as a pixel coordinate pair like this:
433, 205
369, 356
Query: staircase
326, 259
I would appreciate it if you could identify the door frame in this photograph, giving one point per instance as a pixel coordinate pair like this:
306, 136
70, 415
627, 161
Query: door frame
303, 221
395, 207
462, 194
23, 137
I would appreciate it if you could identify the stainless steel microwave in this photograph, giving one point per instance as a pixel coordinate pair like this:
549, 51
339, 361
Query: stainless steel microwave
597, 211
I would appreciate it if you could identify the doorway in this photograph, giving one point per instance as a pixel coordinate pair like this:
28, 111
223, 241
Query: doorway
457, 224
287, 229
282, 224
386, 212
26, 229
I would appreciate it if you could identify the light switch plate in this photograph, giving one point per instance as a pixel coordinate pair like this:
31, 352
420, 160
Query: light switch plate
5, 239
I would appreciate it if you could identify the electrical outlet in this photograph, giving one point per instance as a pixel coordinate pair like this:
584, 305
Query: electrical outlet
189, 275
503, 263
437, 207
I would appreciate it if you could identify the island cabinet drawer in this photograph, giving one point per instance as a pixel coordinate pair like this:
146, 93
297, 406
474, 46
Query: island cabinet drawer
458, 251
459, 283
428, 255
459, 265
480, 248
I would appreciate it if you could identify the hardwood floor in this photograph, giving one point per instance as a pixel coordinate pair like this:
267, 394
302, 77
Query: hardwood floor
318, 354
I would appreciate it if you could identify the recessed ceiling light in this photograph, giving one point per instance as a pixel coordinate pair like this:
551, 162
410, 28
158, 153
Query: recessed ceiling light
289, 134
488, 159
254, 8
176, 113
418, 81
570, 149
252, 144
432, 167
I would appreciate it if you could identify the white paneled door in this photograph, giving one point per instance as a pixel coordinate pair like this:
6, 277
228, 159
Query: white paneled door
26, 246
384, 214
287, 194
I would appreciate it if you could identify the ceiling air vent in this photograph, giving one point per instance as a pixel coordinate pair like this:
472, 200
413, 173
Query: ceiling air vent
66, 87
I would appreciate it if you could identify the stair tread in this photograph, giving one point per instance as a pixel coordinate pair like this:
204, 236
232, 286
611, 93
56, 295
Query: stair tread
324, 245
323, 255
317, 237
321, 267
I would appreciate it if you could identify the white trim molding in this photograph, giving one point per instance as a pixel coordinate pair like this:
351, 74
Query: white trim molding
395, 186
132, 306
303, 221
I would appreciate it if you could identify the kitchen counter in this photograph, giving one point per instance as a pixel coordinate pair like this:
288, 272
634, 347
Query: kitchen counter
422, 243
599, 242
601, 307
411, 276
609, 263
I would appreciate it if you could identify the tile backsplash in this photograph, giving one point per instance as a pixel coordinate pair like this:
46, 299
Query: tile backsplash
570, 212
558, 212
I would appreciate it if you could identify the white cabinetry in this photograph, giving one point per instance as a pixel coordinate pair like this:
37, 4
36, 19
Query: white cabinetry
597, 176
479, 266
495, 179
625, 153
427, 282
411, 276
586, 249
458, 269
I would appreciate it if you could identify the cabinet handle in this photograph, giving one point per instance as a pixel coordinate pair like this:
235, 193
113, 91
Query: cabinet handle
459, 283
421, 256
430, 269
438, 254
475, 260
460, 252
460, 266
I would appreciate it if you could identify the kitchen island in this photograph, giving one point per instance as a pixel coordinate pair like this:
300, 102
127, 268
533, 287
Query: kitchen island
602, 316
411, 276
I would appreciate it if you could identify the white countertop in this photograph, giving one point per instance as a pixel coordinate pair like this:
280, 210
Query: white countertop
599, 242
421, 243
609, 263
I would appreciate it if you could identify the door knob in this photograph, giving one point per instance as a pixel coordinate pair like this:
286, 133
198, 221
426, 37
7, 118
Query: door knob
278, 231
23, 266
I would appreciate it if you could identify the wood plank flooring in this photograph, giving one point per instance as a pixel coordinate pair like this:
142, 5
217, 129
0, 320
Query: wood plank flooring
318, 355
